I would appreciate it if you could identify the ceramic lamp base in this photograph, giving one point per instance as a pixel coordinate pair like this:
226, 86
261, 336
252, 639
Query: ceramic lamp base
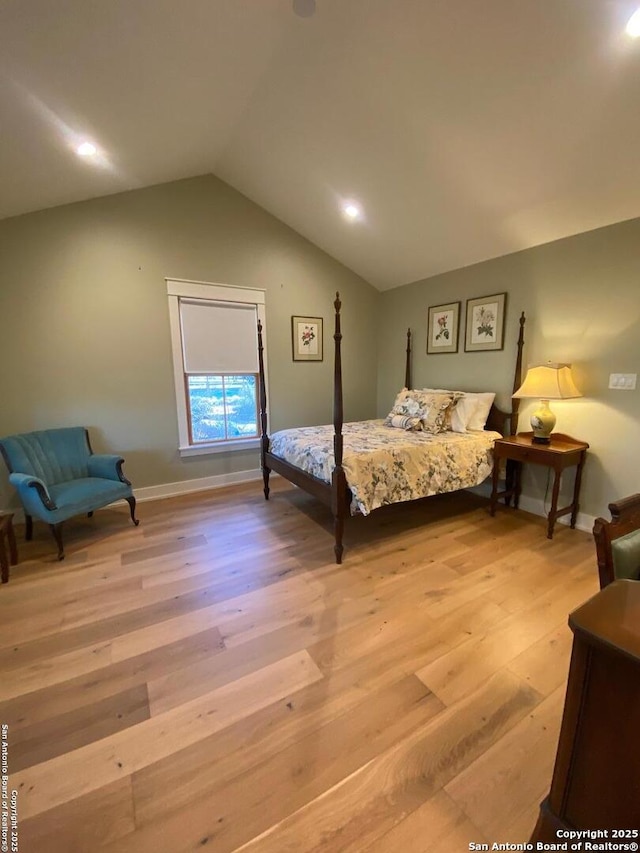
542, 423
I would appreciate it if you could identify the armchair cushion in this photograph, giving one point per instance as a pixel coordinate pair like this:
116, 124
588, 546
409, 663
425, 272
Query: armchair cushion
626, 556
618, 541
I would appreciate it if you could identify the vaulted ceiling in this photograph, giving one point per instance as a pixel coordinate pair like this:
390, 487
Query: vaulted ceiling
466, 129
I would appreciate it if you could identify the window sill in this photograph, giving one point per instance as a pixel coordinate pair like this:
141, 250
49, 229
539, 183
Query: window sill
220, 447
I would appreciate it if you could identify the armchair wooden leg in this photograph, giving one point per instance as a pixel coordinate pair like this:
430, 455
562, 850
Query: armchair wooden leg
28, 528
132, 507
56, 529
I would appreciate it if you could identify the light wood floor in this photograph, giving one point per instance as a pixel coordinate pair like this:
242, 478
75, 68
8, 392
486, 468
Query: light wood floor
211, 680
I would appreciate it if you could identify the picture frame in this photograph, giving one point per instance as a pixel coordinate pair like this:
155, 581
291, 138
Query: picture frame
443, 327
306, 338
484, 328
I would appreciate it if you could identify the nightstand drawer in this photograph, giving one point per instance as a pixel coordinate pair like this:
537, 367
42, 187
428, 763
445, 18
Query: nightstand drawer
536, 454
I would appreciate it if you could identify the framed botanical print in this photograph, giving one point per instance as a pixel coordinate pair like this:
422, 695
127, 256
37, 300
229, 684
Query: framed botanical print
442, 328
485, 323
306, 338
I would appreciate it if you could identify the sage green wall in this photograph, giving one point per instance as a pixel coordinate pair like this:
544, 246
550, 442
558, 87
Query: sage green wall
581, 296
85, 329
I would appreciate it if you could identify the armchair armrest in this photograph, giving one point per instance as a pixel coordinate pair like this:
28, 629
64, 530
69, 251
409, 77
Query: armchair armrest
25, 482
108, 466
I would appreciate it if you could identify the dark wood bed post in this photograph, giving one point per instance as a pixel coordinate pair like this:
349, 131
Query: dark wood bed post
339, 501
517, 379
407, 370
264, 438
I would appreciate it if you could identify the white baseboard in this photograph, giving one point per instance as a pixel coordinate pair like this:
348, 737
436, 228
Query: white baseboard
202, 484
536, 507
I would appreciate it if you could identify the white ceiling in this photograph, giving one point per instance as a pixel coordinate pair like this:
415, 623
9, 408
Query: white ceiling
467, 129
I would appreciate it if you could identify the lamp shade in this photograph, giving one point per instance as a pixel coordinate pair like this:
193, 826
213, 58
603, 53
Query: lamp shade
548, 382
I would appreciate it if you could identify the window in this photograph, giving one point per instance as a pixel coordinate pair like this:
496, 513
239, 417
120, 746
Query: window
222, 406
215, 359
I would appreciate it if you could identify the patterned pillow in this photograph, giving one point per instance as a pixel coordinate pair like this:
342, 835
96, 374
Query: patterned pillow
436, 409
406, 412
426, 411
403, 422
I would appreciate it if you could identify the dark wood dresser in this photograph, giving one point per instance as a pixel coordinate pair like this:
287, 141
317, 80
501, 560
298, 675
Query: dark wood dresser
596, 779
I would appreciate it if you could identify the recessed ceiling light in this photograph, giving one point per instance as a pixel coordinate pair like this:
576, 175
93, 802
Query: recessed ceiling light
86, 149
304, 8
351, 210
633, 25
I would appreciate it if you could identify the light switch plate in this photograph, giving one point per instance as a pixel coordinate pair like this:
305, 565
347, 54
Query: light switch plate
623, 381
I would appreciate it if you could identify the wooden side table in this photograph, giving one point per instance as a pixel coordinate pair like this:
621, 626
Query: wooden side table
563, 452
8, 536
596, 779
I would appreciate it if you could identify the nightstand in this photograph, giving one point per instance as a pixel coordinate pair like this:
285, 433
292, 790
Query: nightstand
563, 452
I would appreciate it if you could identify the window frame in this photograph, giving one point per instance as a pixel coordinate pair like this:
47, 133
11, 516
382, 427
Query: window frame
208, 292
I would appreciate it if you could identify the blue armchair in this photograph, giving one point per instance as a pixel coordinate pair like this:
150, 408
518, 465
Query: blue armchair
57, 475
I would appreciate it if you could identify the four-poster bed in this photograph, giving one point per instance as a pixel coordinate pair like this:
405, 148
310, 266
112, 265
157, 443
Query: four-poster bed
381, 465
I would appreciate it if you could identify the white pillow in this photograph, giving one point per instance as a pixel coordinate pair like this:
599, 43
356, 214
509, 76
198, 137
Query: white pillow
470, 412
483, 406
463, 412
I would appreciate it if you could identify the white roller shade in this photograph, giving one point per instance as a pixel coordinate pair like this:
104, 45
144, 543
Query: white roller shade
219, 337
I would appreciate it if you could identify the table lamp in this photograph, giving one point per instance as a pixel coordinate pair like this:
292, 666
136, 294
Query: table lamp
546, 382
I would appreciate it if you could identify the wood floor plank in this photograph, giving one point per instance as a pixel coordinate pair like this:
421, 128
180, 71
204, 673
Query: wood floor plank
545, 664
104, 627
487, 553
408, 646
54, 670
148, 553
380, 794
105, 761
182, 684
60, 734
82, 825
544, 573
437, 826
515, 570
267, 608
229, 808
460, 671
512, 776
100, 684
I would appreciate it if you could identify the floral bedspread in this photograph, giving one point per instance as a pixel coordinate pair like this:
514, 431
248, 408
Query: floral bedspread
384, 465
